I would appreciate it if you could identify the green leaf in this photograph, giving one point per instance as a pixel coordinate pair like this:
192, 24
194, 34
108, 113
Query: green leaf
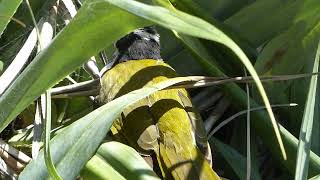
85, 135
292, 47
315, 177
1, 67
95, 26
223, 9
98, 168
256, 24
7, 10
123, 160
47, 127
306, 126
262, 126
236, 160
292, 52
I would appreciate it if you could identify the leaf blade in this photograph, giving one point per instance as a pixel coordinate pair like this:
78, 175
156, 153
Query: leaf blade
306, 126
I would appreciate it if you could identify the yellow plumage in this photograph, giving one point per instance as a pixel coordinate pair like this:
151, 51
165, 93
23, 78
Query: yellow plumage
163, 123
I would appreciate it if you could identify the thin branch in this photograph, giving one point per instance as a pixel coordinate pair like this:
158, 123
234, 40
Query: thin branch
225, 122
82, 86
77, 94
6, 171
204, 81
11, 162
15, 20
88, 87
14, 152
216, 113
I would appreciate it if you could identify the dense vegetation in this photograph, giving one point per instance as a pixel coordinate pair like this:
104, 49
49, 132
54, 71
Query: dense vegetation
215, 38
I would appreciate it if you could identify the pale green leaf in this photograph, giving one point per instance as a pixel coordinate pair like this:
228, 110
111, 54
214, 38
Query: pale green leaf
306, 126
124, 161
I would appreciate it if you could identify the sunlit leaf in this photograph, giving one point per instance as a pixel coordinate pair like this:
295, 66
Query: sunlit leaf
122, 161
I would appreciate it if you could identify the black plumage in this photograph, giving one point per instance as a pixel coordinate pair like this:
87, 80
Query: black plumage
142, 43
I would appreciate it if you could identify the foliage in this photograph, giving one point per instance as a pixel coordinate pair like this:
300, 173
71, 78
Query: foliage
208, 37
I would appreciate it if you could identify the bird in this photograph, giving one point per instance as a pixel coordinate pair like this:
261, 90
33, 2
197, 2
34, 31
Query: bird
165, 126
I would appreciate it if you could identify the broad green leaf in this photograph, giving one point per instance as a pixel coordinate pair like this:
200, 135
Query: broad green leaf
72, 47
85, 135
121, 159
307, 123
236, 160
7, 10
98, 168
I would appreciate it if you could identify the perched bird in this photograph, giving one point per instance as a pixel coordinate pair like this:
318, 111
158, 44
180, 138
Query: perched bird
164, 125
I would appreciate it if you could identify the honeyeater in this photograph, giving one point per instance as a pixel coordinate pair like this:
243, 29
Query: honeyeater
164, 125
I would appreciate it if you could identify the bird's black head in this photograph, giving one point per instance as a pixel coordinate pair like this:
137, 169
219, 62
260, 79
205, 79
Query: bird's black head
143, 43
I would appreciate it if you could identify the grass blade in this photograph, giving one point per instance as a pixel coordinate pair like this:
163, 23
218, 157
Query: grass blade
306, 126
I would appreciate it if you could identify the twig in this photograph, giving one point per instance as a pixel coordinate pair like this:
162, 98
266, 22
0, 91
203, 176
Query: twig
204, 81
92, 68
82, 86
11, 162
87, 87
14, 152
223, 123
7, 172
15, 20
77, 94
216, 113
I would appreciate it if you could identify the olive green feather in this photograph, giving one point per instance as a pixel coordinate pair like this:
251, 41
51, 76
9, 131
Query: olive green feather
164, 123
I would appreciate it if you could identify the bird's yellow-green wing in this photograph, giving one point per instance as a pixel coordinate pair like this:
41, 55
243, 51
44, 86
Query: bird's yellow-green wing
159, 123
